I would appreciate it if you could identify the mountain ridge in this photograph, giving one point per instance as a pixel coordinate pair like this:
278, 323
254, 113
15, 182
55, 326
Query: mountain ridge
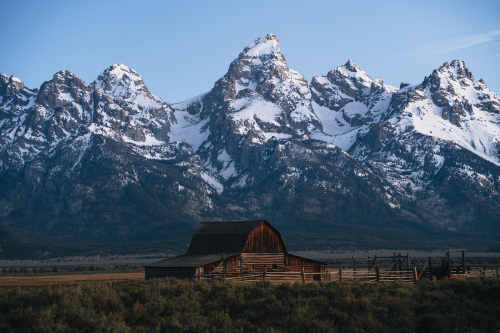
261, 140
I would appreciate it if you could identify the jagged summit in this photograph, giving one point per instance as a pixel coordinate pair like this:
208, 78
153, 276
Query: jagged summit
119, 81
257, 66
347, 100
10, 84
262, 68
351, 70
263, 46
457, 68
352, 67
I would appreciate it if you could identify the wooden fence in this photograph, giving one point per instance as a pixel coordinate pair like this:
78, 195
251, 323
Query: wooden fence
347, 275
482, 272
350, 275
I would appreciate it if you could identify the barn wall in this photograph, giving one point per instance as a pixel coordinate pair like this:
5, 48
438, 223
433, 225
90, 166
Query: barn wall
251, 262
264, 239
177, 272
257, 263
232, 266
295, 264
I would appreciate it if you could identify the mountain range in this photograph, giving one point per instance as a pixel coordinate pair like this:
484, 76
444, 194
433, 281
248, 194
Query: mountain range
344, 161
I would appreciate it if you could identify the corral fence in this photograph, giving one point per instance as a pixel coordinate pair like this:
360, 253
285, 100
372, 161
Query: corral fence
330, 275
398, 268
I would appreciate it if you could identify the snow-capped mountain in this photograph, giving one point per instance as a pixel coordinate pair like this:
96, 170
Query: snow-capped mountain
348, 100
259, 99
112, 160
440, 139
124, 104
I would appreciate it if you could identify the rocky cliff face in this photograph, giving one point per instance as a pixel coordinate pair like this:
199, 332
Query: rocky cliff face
94, 162
112, 161
348, 101
438, 141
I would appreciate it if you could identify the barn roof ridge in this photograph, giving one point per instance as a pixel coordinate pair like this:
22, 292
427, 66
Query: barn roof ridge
264, 220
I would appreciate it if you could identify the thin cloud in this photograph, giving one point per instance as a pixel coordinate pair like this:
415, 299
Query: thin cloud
458, 43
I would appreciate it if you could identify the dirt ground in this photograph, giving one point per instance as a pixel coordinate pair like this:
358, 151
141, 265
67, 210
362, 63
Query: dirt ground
67, 279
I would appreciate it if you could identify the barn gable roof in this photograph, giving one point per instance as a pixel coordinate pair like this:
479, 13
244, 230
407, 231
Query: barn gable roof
222, 237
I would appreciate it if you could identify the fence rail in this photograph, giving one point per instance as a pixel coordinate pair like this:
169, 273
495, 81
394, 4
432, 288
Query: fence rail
331, 275
325, 277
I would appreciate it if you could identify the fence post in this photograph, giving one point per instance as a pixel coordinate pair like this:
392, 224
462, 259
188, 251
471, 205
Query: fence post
430, 268
224, 269
265, 271
241, 266
449, 265
497, 272
408, 261
415, 274
378, 273
340, 274
463, 260
303, 275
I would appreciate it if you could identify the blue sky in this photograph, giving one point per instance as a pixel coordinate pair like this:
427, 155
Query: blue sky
181, 48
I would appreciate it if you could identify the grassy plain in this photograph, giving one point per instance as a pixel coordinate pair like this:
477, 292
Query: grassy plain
67, 279
170, 305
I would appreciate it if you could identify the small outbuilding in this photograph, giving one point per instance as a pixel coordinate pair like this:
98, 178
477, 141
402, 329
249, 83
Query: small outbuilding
235, 250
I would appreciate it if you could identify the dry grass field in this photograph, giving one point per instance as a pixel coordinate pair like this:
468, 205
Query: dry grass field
67, 279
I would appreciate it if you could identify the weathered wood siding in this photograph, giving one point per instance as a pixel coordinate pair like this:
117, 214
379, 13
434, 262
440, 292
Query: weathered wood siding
295, 264
250, 263
264, 239
247, 263
177, 272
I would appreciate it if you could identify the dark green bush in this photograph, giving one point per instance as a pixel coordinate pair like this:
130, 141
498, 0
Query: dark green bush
169, 305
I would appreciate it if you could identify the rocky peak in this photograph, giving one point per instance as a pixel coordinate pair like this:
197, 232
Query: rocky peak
124, 104
9, 85
15, 98
379, 81
349, 83
65, 90
456, 70
259, 63
120, 82
358, 79
404, 84
262, 46
262, 68
454, 89
15, 84
352, 67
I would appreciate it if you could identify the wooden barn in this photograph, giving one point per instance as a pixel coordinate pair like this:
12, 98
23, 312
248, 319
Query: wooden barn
250, 250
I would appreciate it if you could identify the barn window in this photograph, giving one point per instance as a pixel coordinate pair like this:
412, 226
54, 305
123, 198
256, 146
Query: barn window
275, 266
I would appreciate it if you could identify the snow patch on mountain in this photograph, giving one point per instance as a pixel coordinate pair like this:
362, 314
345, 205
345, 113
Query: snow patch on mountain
451, 106
247, 111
